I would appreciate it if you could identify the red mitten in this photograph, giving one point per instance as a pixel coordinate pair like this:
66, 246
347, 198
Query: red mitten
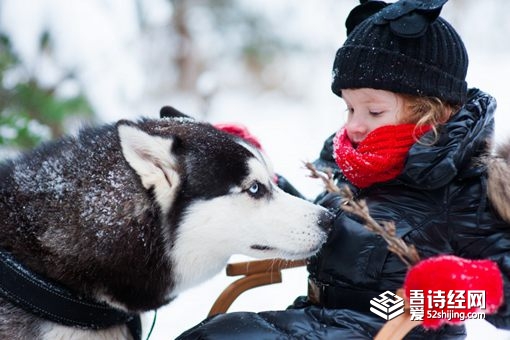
452, 287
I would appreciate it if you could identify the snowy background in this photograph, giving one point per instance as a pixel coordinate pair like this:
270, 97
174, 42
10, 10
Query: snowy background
118, 61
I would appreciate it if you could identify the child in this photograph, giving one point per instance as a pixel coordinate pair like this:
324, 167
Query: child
411, 148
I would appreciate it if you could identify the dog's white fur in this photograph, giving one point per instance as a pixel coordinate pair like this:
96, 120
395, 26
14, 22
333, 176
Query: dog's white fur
279, 226
51, 331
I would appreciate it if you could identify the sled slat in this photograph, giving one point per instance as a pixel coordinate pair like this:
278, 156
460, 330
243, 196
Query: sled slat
398, 327
236, 288
256, 273
261, 266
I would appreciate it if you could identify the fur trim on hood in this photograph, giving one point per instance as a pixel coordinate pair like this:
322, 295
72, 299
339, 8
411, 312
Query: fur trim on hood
498, 187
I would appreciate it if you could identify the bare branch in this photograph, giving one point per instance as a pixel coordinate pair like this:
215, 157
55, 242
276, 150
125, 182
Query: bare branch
326, 177
386, 229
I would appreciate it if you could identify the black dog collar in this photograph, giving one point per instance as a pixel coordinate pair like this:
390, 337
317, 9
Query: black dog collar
32, 293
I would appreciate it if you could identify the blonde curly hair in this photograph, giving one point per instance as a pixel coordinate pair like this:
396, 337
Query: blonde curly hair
427, 111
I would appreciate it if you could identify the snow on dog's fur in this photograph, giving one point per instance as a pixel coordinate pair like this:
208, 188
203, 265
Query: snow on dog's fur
132, 213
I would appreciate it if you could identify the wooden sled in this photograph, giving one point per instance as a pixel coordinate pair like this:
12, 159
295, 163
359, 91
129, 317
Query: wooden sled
255, 274
265, 272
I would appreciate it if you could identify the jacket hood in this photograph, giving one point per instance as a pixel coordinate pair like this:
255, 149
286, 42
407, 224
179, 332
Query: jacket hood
464, 137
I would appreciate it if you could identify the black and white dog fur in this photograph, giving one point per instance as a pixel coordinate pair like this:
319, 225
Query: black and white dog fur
133, 213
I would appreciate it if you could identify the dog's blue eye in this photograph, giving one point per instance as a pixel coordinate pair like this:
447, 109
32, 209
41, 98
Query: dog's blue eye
254, 188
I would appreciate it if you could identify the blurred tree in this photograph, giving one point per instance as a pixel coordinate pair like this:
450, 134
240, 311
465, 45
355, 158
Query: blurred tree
211, 31
30, 112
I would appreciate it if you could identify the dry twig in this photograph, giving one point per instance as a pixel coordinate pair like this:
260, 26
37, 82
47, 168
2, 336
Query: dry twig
326, 177
387, 230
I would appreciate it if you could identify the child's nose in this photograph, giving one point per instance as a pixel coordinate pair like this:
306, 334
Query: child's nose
356, 127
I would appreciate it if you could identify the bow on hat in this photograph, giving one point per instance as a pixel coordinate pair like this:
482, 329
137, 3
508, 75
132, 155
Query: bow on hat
406, 18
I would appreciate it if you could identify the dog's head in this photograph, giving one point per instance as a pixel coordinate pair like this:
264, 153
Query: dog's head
217, 196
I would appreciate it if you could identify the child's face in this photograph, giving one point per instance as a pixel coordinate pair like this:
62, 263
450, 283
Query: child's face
369, 109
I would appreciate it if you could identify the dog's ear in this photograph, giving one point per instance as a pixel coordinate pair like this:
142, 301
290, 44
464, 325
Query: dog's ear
171, 112
152, 159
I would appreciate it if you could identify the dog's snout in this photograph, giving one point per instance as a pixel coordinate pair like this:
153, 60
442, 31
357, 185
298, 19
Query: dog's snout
326, 219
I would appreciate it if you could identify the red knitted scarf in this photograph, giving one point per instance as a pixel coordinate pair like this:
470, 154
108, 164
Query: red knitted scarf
379, 157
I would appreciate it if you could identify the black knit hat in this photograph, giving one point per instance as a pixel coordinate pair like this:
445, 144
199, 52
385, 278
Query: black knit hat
404, 47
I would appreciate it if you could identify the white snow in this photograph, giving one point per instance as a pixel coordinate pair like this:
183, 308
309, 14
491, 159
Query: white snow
99, 41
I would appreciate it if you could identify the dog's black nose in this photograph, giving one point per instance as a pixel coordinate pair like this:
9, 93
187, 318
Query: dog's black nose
326, 220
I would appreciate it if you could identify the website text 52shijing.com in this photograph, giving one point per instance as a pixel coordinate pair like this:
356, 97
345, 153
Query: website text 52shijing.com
450, 315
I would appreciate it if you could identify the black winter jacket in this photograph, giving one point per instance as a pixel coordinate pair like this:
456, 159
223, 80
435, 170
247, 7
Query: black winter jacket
439, 203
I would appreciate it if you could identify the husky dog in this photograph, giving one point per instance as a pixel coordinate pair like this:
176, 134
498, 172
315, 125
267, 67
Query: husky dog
127, 215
